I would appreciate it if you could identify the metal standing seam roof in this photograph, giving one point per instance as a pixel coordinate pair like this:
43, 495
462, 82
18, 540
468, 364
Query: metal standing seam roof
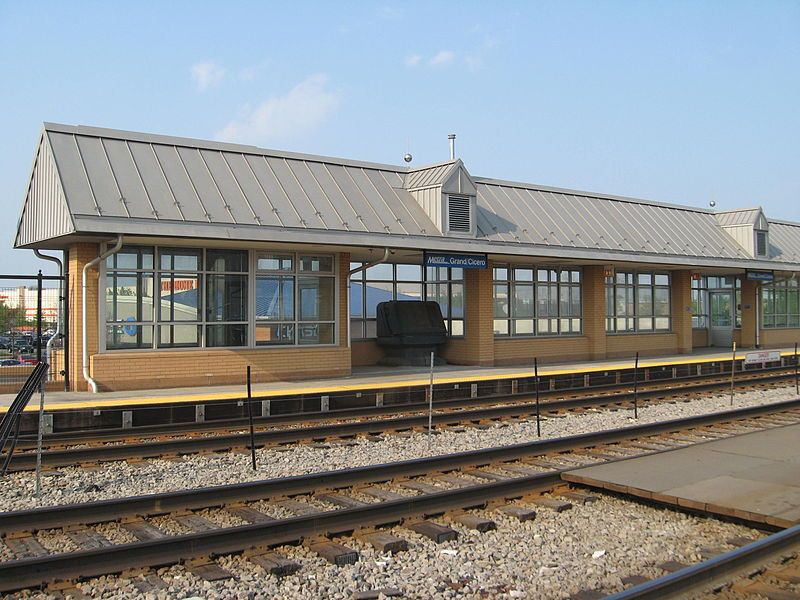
735, 218
102, 181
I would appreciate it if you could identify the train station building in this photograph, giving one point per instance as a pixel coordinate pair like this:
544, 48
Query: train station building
188, 260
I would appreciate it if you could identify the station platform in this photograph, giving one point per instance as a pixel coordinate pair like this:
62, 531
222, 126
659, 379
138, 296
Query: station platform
369, 379
754, 477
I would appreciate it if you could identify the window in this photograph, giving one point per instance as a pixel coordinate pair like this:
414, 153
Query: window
295, 299
761, 243
780, 303
190, 297
701, 288
530, 301
389, 281
638, 301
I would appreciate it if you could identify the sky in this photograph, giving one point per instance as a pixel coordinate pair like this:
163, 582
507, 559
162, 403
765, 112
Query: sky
681, 102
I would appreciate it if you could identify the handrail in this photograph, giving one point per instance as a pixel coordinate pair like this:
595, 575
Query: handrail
11, 419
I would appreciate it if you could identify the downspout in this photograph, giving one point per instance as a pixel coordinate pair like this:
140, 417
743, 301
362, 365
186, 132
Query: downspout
58, 308
363, 267
84, 335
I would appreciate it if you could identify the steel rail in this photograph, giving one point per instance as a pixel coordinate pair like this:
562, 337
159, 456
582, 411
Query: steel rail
166, 502
715, 571
654, 388
153, 449
30, 572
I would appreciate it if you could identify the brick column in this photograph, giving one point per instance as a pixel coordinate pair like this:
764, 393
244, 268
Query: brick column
682, 310
79, 255
749, 324
594, 310
477, 345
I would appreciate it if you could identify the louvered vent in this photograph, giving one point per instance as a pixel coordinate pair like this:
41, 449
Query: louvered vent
459, 217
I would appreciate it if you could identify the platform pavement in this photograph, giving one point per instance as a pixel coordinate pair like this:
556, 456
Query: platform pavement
367, 378
753, 476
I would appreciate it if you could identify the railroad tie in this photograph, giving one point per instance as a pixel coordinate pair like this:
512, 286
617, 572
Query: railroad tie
375, 594
273, 563
382, 494
207, 569
432, 531
588, 595
551, 503
520, 513
421, 486
473, 521
384, 541
25, 546
487, 475
336, 554
251, 515
671, 566
763, 589
634, 580
455, 480
194, 523
144, 581
579, 497
785, 573
142, 530
88, 539
299, 508
341, 500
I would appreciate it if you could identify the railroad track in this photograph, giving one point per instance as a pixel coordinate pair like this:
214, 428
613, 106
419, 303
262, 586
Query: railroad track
447, 414
768, 568
316, 508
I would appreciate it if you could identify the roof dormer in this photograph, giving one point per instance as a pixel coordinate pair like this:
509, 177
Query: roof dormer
749, 227
448, 195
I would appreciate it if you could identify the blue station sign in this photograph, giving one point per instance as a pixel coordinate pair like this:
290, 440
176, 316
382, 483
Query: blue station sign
767, 276
462, 261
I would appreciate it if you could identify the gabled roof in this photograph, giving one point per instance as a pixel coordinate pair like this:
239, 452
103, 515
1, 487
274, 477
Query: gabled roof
754, 217
98, 182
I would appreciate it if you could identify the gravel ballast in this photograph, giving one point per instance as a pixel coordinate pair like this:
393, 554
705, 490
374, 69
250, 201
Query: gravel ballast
118, 479
591, 546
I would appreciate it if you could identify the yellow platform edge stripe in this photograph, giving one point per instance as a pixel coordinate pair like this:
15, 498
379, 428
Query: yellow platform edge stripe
356, 387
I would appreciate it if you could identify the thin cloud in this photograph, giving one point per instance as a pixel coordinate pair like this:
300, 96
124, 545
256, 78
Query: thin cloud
442, 58
207, 74
413, 60
280, 118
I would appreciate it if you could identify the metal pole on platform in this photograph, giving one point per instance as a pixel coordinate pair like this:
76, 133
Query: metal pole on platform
733, 369
39, 317
250, 418
536, 381
636, 387
430, 406
796, 377
39, 436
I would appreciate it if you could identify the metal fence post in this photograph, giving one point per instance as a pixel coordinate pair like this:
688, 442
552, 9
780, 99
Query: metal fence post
636, 388
250, 419
39, 317
536, 381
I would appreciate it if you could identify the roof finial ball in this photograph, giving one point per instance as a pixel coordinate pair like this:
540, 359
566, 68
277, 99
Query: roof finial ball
712, 204
408, 157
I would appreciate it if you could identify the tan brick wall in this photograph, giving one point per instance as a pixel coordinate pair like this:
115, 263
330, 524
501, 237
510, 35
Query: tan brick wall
126, 370
699, 338
79, 255
647, 344
682, 309
171, 368
366, 353
779, 338
594, 311
521, 351
477, 345
748, 333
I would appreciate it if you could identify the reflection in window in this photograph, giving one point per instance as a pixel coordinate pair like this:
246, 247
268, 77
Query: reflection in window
638, 302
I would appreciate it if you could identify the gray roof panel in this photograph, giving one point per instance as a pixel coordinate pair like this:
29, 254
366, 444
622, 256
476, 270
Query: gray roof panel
160, 185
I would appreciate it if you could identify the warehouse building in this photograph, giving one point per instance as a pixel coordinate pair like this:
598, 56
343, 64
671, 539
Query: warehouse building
217, 256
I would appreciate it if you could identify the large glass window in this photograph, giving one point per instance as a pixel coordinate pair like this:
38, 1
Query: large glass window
700, 297
530, 301
190, 297
638, 301
780, 303
398, 281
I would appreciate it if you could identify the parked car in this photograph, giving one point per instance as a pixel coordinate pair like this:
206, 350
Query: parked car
10, 362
